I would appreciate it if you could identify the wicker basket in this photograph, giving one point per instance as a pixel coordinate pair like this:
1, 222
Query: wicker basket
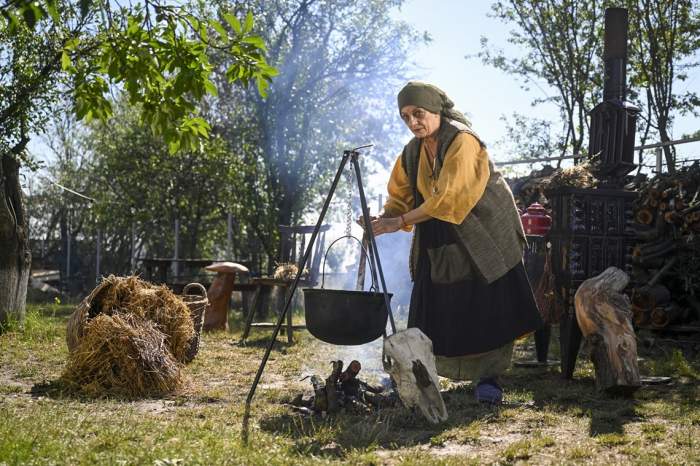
198, 304
79, 318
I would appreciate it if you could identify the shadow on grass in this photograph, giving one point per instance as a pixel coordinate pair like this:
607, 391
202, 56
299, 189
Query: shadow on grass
263, 341
577, 397
54, 389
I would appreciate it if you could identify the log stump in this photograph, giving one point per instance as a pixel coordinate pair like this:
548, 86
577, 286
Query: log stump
604, 316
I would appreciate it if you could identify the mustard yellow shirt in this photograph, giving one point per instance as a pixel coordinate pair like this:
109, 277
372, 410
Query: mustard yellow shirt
462, 181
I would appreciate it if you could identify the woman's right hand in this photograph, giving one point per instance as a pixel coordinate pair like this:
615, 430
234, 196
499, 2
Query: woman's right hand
361, 220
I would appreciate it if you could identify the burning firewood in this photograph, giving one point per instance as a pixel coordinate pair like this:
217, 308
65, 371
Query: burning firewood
343, 391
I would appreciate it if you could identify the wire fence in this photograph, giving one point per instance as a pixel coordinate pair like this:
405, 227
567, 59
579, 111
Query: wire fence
658, 166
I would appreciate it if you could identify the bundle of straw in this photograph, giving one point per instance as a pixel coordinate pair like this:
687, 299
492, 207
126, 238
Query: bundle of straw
123, 355
131, 295
128, 337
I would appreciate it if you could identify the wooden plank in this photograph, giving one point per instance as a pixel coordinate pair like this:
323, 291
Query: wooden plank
273, 325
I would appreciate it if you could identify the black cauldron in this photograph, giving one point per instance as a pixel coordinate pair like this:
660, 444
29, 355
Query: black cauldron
343, 317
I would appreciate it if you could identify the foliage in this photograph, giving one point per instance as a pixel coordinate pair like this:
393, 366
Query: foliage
57, 215
268, 161
142, 193
152, 188
340, 65
664, 40
561, 43
530, 138
156, 52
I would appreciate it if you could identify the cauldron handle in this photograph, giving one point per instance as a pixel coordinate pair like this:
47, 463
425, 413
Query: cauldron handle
362, 249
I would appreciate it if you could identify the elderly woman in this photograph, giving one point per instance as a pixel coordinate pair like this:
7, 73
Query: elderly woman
471, 294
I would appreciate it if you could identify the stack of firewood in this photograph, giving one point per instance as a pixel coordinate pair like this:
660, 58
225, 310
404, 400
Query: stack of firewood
666, 256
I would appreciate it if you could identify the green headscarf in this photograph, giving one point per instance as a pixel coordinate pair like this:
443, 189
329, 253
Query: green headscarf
431, 98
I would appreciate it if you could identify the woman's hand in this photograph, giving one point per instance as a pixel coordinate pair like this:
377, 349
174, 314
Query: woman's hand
385, 225
361, 220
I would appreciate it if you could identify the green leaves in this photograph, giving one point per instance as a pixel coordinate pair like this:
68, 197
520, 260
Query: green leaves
157, 53
233, 22
27, 12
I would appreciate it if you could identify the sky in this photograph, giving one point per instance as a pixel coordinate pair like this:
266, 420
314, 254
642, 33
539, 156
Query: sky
481, 91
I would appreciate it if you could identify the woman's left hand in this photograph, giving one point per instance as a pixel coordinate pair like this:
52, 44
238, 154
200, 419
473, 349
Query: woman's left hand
385, 225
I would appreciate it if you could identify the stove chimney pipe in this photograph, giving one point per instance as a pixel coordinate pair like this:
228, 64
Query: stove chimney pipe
615, 54
614, 120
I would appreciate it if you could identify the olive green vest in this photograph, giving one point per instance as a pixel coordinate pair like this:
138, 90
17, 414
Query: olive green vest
491, 237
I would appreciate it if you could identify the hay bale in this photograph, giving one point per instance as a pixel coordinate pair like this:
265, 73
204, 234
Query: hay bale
133, 296
124, 355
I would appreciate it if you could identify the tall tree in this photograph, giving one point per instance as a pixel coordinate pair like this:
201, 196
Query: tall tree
561, 43
156, 52
340, 65
664, 41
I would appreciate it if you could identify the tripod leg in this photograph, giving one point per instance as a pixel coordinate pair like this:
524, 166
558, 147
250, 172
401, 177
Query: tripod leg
368, 228
283, 314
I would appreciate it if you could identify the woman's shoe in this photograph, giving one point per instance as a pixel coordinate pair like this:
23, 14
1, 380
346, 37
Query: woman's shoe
488, 391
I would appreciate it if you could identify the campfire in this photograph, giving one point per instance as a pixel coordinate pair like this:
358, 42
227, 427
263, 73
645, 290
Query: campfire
343, 391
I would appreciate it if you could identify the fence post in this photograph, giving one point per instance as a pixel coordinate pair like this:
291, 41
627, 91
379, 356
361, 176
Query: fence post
229, 236
133, 247
176, 265
98, 247
659, 160
68, 248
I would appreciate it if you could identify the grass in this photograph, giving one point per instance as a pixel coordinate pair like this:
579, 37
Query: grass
546, 420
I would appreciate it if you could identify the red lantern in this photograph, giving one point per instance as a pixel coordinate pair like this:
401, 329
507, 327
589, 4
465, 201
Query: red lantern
536, 221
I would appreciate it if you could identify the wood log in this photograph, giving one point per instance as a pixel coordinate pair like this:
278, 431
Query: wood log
640, 316
649, 262
331, 386
693, 207
219, 293
654, 246
644, 216
665, 269
673, 217
647, 257
605, 318
663, 316
677, 203
649, 297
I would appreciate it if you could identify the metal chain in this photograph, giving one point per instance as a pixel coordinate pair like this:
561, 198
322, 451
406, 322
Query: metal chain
348, 208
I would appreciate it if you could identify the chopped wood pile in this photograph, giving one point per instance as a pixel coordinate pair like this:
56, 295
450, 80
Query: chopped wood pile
666, 255
343, 391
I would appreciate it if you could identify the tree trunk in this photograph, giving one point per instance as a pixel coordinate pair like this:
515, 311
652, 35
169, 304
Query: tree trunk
604, 316
668, 151
15, 255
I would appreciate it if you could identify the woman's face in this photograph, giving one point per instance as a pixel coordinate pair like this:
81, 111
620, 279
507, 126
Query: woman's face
421, 122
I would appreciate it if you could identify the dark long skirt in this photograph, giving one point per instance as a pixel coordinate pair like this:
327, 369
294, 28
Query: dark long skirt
469, 316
